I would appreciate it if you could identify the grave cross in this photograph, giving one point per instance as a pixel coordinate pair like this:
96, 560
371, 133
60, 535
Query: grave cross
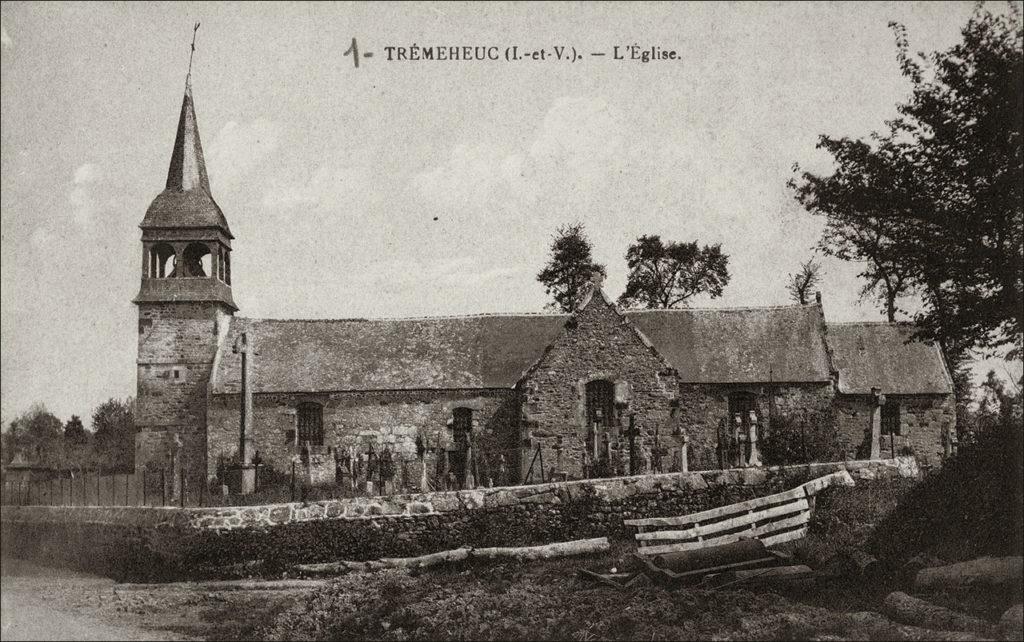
244, 348
632, 433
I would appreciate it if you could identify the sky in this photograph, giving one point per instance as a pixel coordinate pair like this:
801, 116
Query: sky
403, 188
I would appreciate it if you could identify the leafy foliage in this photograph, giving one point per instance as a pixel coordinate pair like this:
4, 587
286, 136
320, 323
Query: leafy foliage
37, 435
796, 438
802, 283
667, 275
569, 268
935, 202
114, 429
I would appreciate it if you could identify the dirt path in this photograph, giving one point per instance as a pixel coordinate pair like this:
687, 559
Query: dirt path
44, 603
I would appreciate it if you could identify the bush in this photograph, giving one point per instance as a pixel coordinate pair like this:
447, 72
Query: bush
801, 437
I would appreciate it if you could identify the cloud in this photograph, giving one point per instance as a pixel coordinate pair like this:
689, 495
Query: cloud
83, 197
88, 173
5, 39
329, 186
238, 148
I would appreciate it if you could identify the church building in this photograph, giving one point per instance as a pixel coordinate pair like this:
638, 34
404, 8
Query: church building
662, 389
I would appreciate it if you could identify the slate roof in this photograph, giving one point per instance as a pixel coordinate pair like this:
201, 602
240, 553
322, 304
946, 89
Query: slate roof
880, 355
493, 351
740, 345
486, 351
186, 200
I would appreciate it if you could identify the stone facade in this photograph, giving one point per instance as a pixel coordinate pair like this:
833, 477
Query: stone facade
392, 419
170, 542
704, 410
923, 420
598, 344
177, 348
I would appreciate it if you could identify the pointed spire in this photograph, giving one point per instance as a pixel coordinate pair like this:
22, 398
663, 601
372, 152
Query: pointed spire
188, 168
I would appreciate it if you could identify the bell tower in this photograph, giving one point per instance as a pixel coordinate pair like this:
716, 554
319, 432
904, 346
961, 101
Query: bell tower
185, 306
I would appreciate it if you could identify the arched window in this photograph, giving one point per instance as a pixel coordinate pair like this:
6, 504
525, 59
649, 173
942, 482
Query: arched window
198, 260
227, 267
600, 403
311, 424
162, 261
220, 262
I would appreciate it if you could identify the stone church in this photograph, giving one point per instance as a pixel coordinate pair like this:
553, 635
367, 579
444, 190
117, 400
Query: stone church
600, 384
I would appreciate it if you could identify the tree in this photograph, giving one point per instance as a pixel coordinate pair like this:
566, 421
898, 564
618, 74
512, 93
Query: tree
869, 241
38, 435
801, 284
942, 186
113, 428
569, 269
668, 275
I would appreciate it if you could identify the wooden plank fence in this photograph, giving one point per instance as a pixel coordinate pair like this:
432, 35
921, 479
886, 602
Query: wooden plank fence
773, 519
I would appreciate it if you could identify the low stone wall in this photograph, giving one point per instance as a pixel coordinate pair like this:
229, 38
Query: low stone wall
175, 542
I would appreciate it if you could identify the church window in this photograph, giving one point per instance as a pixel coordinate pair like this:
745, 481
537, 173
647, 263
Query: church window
198, 260
227, 267
891, 417
311, 424
600, 403
162, 261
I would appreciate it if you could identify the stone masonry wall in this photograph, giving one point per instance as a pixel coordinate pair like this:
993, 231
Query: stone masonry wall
383, 418
702, 408
923, 419
177, 347
172, 542
601, 345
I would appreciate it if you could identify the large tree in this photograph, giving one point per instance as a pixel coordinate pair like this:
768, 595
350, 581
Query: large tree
38, 436
570, 268
801, 283
113, 427
942, 188
667, 275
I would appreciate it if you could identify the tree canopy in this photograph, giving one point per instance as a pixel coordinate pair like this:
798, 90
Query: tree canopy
569, 268
935, 202
113, 428
801, 283
667, 275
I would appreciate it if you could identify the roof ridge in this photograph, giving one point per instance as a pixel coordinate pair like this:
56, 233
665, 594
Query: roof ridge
725, 309
889, 323
414, 318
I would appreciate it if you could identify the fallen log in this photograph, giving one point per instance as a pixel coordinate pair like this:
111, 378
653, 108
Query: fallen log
865, 565
225, 585
875, 626
999, 572
545, 551
1012, 622
444, 557
771, 575
685, 561
917, 612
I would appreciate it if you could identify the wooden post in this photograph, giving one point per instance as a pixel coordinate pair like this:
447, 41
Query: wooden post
293, 480
540, 451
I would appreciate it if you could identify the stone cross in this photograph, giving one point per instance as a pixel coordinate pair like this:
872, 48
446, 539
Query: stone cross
684, 456
755, 453
878, 400
243, 348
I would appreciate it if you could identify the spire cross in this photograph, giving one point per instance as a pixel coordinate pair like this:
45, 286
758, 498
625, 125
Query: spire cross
192, 53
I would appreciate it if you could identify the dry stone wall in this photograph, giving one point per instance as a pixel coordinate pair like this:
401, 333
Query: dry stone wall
168, 542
